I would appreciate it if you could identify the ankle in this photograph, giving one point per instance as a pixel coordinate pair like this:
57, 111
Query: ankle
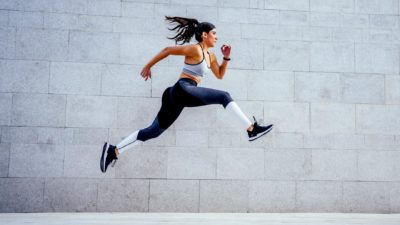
116, 151
250, 129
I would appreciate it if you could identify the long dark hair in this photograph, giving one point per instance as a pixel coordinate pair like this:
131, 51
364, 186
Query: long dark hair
186, 28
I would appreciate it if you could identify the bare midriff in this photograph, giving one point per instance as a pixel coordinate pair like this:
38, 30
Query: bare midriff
185, 75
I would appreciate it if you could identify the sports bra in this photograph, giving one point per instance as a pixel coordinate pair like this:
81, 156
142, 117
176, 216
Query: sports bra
198, 69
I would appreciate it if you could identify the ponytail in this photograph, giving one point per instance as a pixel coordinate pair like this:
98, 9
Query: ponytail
186, 28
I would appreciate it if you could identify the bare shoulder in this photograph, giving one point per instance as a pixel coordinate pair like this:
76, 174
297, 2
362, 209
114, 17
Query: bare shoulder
213, 57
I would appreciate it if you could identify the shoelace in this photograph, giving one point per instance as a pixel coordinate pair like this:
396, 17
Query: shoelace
113, 162
257, 122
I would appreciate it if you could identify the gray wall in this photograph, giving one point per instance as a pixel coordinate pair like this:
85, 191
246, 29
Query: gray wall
325, 72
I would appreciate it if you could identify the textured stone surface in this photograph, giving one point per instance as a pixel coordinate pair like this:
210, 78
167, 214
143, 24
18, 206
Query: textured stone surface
324, 72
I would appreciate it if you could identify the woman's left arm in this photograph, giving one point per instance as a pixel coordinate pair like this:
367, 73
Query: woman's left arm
219, 70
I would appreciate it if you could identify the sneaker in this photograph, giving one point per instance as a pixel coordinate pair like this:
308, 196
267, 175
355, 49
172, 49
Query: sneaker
258, 130
108, 157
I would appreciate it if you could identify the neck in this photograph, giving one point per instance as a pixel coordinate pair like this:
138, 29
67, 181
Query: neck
204, 46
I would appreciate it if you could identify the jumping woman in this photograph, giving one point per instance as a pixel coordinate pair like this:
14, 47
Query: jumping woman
185, 92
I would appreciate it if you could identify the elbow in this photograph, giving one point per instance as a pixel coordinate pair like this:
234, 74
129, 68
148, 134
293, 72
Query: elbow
166, 51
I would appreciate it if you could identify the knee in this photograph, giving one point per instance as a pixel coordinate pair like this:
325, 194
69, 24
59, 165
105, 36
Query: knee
226, 98
153, 131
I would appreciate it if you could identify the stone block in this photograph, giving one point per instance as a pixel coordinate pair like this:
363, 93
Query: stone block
271, 32
174, 196
325, 117
123, 80
288, 140
325, 19
341, 6
194, 2
123, 195
378, 165
44, 160
21, 195
240, 163
332, 57
188, 138
96, 24
272, 196
91, 111
42, 44
235, 138
224, 196
260, 16
206, 117
162, 78
70, 195
203, 13
143, 162
380, 142
229, 83
382, 119
134, 9
20, 135
94, 47
374, 58
348, 34
5, 110
137, 112
4, 160
294, 18
288, 164
377, 6
38, 110
233, 4
366, 197
319, 196
392, 89
317, 34
75, 78
300, 5
362, 88
256, 4
193, 163
287, 116
4, 15
83, 161
61, 21
247, 53
334, 141
384, 21
24, 76
270, 86
287, 55
7, 45
86, 136
162, 10
50, 135
138, 51
394, 189
25, 19
317, 87
104, 7
334, 165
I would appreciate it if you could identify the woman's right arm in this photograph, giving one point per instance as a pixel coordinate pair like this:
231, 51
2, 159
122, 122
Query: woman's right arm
186, 50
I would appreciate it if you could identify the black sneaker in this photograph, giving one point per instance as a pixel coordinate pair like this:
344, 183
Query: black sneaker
107, 157
258, 130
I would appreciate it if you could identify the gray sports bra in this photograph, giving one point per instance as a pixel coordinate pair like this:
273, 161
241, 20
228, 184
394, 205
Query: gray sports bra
198, 69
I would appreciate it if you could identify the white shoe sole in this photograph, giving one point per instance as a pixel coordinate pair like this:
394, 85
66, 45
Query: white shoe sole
261, 134
103, 158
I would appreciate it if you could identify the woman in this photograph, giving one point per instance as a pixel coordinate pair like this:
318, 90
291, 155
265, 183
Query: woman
186, 93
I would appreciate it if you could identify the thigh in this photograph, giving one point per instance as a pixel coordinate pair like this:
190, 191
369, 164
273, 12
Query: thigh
170, 109
199, 96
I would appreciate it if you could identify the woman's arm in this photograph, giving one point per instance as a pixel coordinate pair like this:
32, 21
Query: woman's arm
186, 50
219, 70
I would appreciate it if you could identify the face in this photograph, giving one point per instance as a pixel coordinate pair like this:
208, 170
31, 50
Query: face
210, 38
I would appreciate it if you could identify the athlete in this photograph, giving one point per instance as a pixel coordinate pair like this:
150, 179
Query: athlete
186, 93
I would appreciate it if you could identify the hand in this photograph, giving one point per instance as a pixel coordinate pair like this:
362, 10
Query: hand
146, 73
226, 50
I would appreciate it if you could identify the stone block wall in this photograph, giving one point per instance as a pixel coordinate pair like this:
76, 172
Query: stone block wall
325, 72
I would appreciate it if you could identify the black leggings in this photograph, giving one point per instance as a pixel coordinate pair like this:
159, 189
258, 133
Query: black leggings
184, 93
